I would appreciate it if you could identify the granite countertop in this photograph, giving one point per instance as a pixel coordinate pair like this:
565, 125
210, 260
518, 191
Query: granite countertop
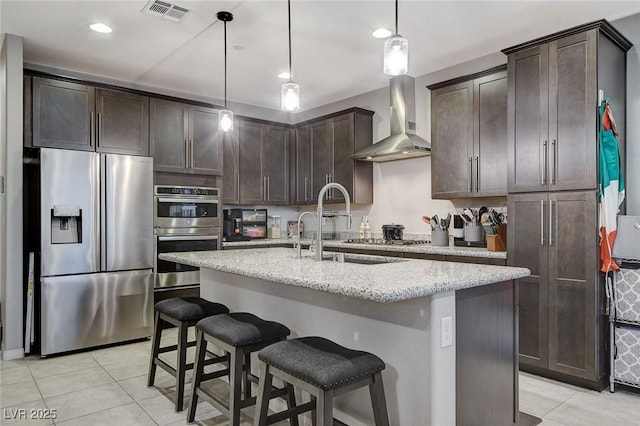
399, 279
418, 248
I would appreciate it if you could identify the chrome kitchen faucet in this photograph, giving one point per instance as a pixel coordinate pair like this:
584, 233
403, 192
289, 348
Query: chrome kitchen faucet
320, 213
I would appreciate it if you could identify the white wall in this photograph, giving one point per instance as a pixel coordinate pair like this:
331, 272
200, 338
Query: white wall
11, 280
630, 27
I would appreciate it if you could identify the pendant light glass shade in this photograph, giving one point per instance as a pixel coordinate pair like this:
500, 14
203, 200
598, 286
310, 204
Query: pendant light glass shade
290, 96
396, 55
225, 120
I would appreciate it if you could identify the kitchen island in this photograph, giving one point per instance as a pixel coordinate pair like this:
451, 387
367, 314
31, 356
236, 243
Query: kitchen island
447, 331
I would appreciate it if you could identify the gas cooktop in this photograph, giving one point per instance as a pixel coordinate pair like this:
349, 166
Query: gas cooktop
380, 241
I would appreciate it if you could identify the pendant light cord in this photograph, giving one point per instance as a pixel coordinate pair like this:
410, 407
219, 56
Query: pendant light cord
225, 64
289, 13
396, 17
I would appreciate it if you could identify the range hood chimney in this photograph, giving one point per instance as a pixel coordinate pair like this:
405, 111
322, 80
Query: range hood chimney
403, 142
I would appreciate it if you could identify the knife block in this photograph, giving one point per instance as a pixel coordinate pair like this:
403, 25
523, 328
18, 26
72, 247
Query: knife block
498, 242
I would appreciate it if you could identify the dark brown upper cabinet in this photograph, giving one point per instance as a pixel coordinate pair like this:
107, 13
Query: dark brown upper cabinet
185, 138
553, 107
469, 136
263, 163
323, 155
70, 115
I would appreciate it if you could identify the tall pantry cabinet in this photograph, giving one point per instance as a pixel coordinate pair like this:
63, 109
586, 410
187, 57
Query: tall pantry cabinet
554, 85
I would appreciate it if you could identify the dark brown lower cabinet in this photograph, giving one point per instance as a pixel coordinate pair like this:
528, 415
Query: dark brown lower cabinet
555, 235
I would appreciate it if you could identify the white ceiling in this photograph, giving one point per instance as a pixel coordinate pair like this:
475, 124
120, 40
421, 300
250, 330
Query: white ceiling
334, 55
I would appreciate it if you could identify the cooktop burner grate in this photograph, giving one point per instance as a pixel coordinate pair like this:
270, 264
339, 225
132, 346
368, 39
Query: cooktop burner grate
380, 241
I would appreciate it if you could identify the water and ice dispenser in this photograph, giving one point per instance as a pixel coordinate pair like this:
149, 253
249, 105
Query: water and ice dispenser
66, 225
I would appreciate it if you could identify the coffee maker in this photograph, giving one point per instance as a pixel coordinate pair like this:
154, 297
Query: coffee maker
244, 224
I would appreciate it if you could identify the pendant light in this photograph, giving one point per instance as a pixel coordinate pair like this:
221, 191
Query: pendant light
396, 52
225, 116
290, 89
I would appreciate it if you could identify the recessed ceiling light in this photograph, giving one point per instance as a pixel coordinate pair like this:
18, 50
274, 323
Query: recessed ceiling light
100, 27
381, 33
284, 75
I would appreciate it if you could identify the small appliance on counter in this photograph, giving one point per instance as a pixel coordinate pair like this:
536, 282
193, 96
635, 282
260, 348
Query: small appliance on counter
244, 224
392, 232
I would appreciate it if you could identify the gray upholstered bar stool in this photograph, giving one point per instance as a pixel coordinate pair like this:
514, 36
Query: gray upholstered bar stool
324, 369
239, 334
182, 312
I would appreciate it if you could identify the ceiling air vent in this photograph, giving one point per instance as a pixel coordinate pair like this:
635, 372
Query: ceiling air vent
165, 10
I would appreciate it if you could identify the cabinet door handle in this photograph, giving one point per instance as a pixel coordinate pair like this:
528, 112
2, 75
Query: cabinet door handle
541, 222
551, 221
543, 172
238, 186
191, 153
554, 169
98, 128
305, 188
92, 129
186, 153
477, 174
268, 188
264, 188
470, 173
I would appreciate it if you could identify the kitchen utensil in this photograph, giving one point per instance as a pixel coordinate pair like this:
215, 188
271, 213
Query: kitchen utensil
482, 211
427, 220
448, 220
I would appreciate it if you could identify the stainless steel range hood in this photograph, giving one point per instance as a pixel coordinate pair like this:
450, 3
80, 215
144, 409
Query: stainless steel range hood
403, 142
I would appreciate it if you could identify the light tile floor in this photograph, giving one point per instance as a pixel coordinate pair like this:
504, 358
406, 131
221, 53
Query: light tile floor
108, 387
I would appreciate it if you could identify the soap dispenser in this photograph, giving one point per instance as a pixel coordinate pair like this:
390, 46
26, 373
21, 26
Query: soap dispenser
367, 229
361, 229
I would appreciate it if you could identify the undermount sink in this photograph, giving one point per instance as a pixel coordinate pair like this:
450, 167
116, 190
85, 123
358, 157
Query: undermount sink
362, 259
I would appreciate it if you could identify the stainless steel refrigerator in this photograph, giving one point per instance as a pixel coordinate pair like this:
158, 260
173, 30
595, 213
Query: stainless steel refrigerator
96, 249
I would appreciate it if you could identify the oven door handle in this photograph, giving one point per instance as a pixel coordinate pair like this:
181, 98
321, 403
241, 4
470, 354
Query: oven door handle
183, 200
187, 238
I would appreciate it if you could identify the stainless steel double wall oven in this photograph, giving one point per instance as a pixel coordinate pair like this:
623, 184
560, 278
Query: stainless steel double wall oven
186, 218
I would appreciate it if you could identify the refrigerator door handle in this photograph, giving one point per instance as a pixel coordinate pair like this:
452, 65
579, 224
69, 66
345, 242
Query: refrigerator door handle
102, 208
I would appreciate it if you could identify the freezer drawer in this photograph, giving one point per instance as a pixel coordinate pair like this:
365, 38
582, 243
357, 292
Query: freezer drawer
82, 311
